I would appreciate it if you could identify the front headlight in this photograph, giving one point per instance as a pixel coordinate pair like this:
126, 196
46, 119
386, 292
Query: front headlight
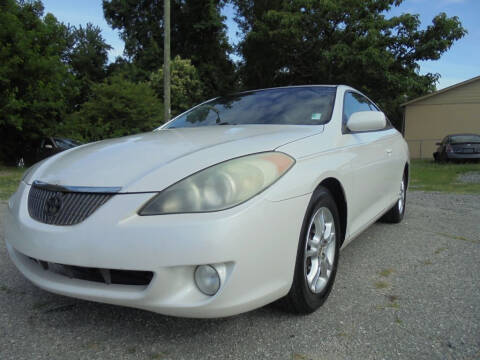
221, 186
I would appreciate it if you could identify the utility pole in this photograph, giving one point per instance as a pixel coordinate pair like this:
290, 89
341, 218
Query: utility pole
166, 59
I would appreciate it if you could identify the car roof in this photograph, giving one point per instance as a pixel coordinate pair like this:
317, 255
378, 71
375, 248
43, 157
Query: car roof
339, 87
283, 87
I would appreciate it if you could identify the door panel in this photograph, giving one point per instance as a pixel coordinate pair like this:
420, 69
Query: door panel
395, 167
373, 165
370, 177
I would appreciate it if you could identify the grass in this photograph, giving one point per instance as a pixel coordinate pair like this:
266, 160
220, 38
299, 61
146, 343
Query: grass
9, 179
381, 285
427, 175
386, 272
462, 238
440, 250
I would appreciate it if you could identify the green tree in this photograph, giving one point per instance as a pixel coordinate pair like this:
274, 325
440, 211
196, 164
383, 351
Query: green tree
88, 52
87, 57
117, 107
198, 33
342, 41
186, 86
35, 84
127, 69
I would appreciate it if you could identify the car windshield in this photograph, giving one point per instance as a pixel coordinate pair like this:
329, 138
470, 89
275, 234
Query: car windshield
461, 139
312, 105
66, 142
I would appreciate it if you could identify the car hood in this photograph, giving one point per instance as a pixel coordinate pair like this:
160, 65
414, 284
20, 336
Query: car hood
151, 161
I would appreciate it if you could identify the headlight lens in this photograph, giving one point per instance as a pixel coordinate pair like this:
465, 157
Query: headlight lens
221, 186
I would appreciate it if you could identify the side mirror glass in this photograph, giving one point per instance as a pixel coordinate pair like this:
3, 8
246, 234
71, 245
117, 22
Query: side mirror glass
366, 121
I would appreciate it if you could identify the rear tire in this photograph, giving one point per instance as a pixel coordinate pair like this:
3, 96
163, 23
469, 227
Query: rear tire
396, 213
317, 256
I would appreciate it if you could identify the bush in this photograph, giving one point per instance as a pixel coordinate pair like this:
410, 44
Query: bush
117, 107
186, 87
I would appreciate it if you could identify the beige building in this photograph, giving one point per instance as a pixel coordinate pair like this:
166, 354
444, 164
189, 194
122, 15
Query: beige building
430, 118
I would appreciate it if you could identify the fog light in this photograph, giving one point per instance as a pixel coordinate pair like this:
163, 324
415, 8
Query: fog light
207, 279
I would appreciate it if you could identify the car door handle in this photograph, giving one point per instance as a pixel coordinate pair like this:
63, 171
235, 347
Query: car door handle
389, 151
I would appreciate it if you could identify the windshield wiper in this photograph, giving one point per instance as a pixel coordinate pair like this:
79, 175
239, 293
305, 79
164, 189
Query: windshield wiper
225, 123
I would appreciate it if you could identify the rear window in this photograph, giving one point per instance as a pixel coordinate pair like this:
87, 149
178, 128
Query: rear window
461, 139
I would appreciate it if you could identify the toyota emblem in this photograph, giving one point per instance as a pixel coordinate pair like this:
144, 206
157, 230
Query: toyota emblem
53, 205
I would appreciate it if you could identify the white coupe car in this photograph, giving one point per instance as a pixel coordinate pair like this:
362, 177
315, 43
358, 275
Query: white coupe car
238, 202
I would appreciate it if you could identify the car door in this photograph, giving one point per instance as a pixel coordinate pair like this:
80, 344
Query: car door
371, 152
395, 161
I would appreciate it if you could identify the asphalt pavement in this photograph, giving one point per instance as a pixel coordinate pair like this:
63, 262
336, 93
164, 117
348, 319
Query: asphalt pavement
406, 291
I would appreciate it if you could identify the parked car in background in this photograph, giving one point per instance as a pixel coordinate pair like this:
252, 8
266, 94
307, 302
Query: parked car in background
238, 202
44, 148
460, 147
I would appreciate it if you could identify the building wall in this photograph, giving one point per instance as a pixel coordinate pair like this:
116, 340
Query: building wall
429, 121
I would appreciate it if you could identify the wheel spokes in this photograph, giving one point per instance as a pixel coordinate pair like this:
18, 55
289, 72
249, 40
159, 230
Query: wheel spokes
319, 254
328, 263
401, 196
312, 253
313, 285
319, 222
323, 267
314, 241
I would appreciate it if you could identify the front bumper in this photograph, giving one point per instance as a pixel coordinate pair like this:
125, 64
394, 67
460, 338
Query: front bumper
255, 243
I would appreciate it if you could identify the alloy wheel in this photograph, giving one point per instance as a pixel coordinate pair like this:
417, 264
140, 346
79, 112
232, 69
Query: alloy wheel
401, 197
320, 250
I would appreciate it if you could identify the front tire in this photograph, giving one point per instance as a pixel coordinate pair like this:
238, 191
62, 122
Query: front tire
396, 213
317, 255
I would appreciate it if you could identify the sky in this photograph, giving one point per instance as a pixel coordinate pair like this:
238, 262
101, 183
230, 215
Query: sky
460, 63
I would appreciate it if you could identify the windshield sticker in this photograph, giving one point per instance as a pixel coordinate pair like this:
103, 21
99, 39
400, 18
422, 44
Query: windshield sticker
316, 116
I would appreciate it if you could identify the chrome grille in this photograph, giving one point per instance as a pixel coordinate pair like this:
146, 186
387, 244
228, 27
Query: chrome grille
62, 207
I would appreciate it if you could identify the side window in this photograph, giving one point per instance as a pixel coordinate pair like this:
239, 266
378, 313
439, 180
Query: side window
354, 102
47, 143
50, 142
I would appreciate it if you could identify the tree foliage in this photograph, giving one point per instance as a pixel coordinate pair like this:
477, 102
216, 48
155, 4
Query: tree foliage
342, 42
186, 88
55, 80
87, 52
86, 56
116, 107
35, 85
198, 33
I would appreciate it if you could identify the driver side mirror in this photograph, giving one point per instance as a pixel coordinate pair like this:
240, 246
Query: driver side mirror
438, 143
366, 121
